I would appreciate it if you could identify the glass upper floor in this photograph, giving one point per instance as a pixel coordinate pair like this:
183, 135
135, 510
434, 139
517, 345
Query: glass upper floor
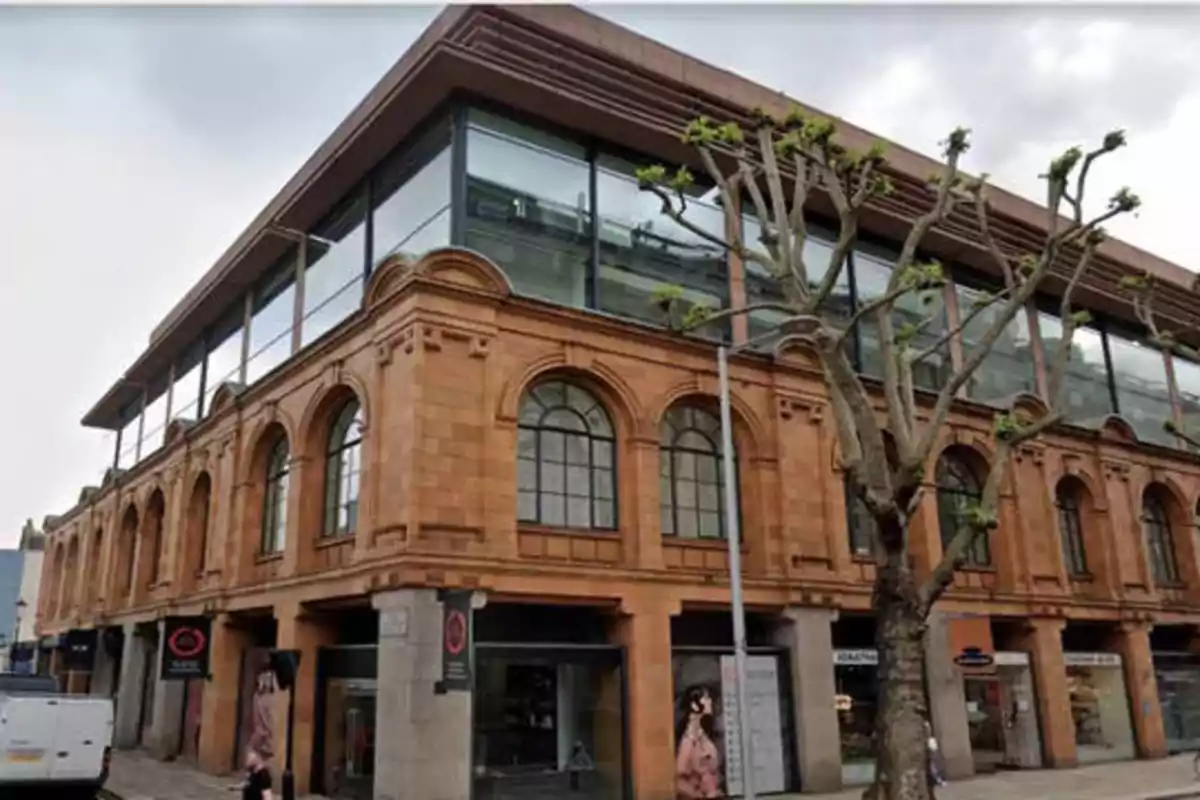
562, 215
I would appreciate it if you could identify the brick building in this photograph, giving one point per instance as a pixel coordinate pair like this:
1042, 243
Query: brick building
432, 363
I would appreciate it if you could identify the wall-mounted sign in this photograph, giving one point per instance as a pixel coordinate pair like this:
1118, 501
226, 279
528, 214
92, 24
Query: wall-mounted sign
852, 658
1091, 659
1008, 658
974, 657
185, 648
79, 650
456, 641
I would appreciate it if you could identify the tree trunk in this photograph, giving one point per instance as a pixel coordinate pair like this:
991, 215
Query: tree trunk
901, 760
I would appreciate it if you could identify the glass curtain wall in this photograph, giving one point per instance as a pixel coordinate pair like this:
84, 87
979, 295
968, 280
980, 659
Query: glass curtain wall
224, 354
1187, 386
1009, 368
333, 277
1143, 394
185, 396
1087, 397
274, 309
410, 193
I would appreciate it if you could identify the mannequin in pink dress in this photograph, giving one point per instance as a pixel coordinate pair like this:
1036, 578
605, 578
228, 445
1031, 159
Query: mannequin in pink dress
697, 762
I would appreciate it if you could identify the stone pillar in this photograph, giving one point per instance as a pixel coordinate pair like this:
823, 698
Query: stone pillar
947, 701
1133, 643
129, 693
218, 713
808, 636
296, 629
426, 754
644, 629
1043, 641
166, 721
103, 671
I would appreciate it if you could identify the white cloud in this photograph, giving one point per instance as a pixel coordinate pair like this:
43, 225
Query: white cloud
136, 143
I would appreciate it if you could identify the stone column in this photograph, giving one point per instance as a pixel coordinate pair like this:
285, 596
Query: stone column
129, 693
296, 629
426, 753
1043, 641
166, 725
947, 701
218, 714
1133, 643
103, 672
808, 636
644, 629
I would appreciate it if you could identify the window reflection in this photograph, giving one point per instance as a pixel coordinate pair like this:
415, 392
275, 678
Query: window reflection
224, 357
127, 457
1160, 543
528, 207
872, 271
412, 199
691, 474
155, 425
1008, 368
642, 249
761, 287
1187, 383
333, 279
1143, 396
959, 491
185, 396
1086, 397
271, 326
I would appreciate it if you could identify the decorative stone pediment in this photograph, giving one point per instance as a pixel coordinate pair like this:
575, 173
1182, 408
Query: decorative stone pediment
457, 266
225, 396
177, 429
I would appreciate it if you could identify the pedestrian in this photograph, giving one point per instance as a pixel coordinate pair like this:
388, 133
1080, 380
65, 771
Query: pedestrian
257, 785
931, 745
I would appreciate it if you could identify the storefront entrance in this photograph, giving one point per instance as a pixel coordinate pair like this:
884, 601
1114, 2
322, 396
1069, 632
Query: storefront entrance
1099, 707
549, 706
344, 747
1178, 677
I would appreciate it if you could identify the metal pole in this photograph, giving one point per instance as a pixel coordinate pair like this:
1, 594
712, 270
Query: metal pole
734, 538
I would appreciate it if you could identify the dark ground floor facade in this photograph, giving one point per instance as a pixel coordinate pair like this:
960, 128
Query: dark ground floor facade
539, 700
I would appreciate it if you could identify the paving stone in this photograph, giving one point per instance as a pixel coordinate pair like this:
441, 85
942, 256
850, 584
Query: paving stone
137, 776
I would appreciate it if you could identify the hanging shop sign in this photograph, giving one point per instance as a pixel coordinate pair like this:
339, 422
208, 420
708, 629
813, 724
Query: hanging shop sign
1091, 659
974, 657
456, 641
856, 658
185, 648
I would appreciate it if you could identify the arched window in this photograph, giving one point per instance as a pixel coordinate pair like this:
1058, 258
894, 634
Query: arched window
958, 491
565, 462
196, 552
127, 547
1067, 499
691, 474
343, 466
154, 520
274, 523
1160, 544
96, 560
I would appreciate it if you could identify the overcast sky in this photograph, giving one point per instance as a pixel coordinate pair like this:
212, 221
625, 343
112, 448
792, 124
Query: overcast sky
136, 144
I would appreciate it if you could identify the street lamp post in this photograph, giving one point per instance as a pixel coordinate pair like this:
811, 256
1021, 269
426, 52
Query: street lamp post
733, 538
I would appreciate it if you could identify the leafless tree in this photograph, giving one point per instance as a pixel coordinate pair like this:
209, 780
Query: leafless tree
778, 167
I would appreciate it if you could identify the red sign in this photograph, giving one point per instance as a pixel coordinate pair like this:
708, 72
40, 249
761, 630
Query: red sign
185, 648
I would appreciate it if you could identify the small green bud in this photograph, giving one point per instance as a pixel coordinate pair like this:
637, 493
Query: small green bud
1114, 140
650, 176
731, 133
697, 315
1061, 167
1081, 318
699, 132
795, 119
957, 143
763, 118
682, 180
1124, 200
1169, 426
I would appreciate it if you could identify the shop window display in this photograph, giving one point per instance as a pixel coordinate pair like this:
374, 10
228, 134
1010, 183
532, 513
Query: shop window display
856, 701
707, 754
548, 727
1099, 707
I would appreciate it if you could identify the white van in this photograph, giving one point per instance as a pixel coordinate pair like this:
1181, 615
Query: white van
52, 743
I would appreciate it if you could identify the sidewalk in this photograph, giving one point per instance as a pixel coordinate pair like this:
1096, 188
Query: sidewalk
136, 776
